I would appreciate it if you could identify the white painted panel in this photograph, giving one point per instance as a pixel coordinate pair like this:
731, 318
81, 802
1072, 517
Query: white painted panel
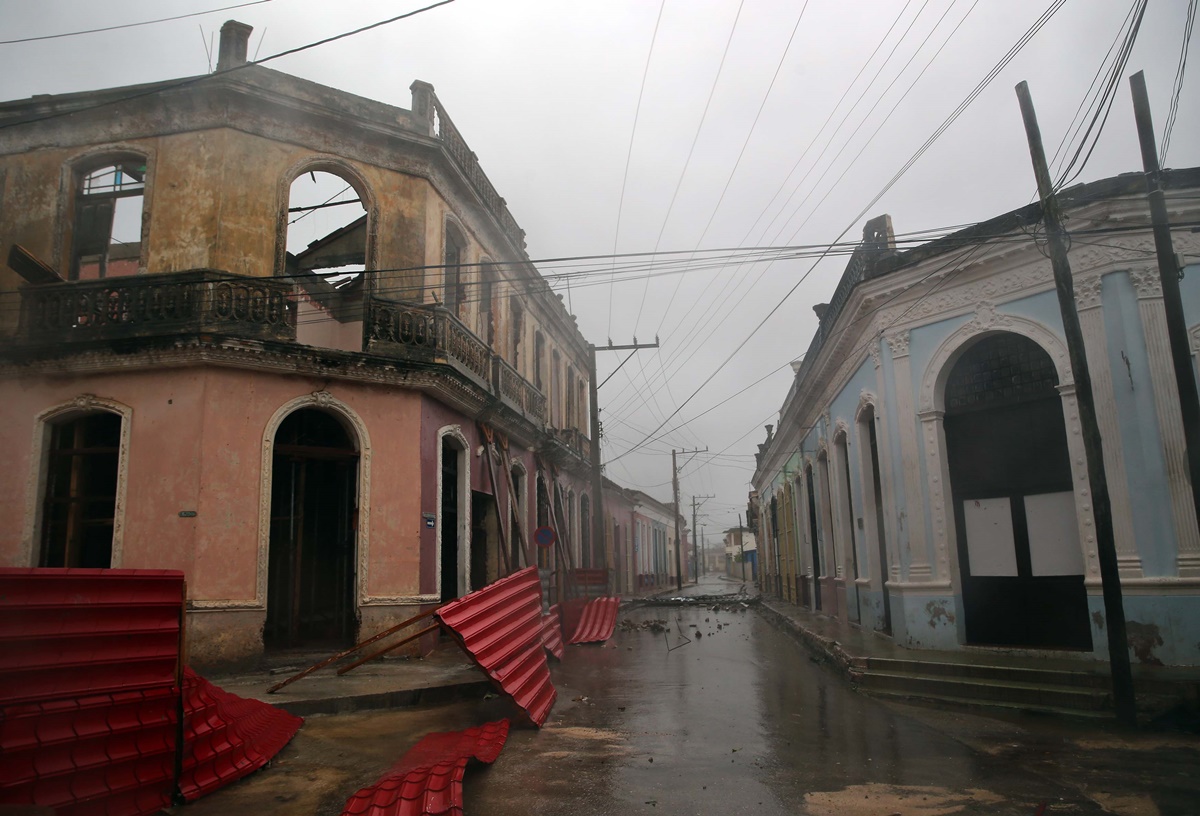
991, 549
1053, 534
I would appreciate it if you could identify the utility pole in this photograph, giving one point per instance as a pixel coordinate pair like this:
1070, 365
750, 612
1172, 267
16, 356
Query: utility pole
741, 547
1170, 274
597, 471
675, 492
1106, 550
704, 546
695, 544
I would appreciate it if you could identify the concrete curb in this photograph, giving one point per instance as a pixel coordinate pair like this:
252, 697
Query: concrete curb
377, 701
824, 649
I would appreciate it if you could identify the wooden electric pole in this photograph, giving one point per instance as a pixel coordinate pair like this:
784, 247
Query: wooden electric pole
597, 519
675, 491
1106, 550
696, 538
1169, 272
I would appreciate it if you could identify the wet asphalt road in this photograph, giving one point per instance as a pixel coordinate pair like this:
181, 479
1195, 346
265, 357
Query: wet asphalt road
738, 720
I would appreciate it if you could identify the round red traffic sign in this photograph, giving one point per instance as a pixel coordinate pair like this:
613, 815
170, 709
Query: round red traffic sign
544, 537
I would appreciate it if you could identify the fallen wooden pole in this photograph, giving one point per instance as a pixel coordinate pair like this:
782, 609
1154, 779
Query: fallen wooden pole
387, 649
352, 649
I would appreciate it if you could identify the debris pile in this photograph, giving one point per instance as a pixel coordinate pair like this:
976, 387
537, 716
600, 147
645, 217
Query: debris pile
655, 626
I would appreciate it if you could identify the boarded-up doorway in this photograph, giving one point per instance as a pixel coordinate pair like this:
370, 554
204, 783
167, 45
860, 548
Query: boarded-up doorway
310, 585
1010, 471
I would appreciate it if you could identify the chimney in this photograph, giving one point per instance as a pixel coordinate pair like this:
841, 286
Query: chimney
235, 37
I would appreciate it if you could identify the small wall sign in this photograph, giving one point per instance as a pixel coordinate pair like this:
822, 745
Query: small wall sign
430, 520
187, 513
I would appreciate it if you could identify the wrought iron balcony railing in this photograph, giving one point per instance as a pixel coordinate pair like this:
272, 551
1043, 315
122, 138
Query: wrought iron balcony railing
154, 305
432, 334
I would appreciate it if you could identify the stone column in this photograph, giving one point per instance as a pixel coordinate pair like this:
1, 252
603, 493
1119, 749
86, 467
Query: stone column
1170, 422
1095, 341
941, 498
919, 568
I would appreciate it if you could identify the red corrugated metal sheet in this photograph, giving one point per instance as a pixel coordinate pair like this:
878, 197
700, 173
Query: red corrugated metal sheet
428, 779
552, 633
102, 754
501, 627
597, 622
226, 737
70, 632
88, 700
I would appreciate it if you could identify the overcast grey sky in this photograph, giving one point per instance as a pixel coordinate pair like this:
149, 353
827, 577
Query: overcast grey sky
546, 91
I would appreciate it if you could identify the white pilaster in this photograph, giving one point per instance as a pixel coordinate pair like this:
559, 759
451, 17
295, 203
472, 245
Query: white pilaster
919, 569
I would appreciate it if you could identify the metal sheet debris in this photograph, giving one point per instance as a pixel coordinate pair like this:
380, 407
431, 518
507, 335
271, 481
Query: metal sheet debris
88, 688
552, 632
428, 778
597, 621
500, 626
226, 736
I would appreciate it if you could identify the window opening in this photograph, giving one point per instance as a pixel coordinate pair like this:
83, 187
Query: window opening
539, 361
81, 492
454, 294
108, 221
326, 229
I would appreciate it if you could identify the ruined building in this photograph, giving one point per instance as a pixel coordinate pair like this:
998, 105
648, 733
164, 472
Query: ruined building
189, 380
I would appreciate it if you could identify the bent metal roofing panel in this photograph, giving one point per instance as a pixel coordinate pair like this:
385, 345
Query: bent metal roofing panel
428, 778
500, 626
597, 622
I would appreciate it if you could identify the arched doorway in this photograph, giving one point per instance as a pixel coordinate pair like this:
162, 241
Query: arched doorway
454, 543
80, 491
310, 578
1010, 474
814, 539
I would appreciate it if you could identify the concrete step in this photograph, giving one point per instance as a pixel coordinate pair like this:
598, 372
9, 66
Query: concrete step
1070, 678
986, 691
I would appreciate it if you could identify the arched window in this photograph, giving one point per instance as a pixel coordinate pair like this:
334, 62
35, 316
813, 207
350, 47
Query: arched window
539, 362
106, 240
326, 229
453, 256
487, 315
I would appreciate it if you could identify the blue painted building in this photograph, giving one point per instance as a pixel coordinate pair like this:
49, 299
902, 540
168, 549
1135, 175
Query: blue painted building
927, 479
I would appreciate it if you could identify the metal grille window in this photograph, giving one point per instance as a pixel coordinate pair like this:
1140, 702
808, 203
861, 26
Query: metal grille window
1000, 370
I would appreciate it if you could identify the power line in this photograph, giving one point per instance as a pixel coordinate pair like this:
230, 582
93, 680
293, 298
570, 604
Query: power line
1178, 86
131, 25
629, 153
695, 138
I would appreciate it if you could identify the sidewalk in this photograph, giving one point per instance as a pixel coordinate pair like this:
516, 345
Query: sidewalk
445, 674
862, 655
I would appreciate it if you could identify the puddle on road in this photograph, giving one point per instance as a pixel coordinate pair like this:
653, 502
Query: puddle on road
875, 799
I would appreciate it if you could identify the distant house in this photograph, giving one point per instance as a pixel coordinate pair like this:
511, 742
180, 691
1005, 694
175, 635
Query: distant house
326, 436
927, 479
741, 554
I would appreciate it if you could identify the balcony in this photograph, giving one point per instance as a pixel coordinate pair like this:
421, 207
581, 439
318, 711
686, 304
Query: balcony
145, 306
432, 334
61, 316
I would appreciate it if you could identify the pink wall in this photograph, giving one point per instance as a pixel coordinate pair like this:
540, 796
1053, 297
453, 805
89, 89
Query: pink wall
195, 444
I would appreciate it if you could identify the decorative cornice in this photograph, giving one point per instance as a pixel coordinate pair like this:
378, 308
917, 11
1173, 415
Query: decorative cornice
987, 318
